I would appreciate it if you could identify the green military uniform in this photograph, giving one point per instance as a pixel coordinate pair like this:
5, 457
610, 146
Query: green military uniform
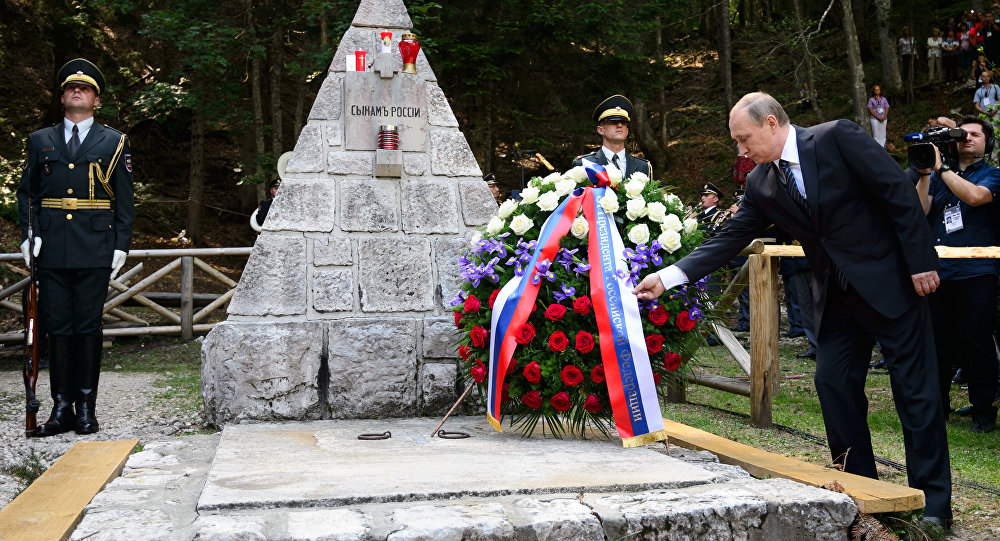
83, 211
616, 107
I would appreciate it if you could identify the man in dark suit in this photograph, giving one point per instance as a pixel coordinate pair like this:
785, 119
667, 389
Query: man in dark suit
837, 192
612, 117
78, 183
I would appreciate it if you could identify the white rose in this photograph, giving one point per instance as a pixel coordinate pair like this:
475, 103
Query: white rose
507, 208
633, 188
580, 228
529, 195
690, 225
565, 186
642, 177
476, 237
577, 173
656, 211
671, 240
672, 222
672, 199
614, 175
610, 203
548, 201
495, 226
551, 178
635, 208
639, 234
521, 223
535, 182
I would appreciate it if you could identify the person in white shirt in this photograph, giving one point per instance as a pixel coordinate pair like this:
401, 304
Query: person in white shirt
985, 99
934, 71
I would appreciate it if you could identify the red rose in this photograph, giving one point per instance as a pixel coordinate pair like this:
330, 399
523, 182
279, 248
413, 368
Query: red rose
512, 366
532, 399
657, 378
597, 374
560, 401
472, 304
654, 343
582, 305
555, 312
657, 316
592, 404
464, 352
493, 297
571, 375
584, 342
672, 361
525, 334
478, 372
504, 395
533, 372
558, 341
684, 321
478, 336
458, 319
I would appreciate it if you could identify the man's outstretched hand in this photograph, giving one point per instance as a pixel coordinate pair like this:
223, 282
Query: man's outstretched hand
649, 288
925, 282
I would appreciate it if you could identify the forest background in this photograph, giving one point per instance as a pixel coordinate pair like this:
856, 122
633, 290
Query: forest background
211, 92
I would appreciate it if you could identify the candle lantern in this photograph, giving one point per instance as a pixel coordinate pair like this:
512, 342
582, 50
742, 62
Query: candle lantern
409, 47
386, 41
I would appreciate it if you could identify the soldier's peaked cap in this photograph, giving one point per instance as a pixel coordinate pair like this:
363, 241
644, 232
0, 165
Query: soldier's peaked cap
80, 71
616, 107
710, 188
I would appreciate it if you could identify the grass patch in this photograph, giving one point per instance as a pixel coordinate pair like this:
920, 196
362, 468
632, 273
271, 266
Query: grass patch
27, 469
178, 363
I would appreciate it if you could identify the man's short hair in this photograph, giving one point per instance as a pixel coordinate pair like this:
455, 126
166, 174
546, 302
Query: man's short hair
759, 105
986, 126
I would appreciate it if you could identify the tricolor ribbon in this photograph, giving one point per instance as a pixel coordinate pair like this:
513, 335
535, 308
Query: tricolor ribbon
631, 388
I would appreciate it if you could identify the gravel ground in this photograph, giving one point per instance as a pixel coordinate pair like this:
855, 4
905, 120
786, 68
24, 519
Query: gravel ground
127, 408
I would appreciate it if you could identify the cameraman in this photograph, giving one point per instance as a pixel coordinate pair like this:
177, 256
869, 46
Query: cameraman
963, 309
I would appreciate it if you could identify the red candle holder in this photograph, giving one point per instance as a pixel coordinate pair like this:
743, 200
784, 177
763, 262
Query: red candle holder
408, 48
388, 137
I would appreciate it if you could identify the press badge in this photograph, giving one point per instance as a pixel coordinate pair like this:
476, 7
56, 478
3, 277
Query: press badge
880, 110
953, 219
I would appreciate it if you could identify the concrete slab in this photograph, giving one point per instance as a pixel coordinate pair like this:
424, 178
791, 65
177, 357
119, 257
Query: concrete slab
323, 463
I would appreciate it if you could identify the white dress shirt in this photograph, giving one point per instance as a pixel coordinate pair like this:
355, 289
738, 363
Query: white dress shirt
608, 155
83, 128
790, 153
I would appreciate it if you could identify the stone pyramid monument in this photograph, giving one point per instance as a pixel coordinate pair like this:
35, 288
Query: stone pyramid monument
342, 310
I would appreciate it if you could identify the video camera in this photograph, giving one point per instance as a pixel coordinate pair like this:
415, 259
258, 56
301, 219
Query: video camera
921, 154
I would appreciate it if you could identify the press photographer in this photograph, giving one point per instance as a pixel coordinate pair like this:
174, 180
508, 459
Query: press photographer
957, 201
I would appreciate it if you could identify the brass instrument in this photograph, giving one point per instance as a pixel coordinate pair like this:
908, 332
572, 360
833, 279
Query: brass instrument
724, 216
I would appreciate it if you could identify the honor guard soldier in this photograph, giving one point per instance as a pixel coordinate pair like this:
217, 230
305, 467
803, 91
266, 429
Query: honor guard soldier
710, 210
78, 183
612, 117
260, 214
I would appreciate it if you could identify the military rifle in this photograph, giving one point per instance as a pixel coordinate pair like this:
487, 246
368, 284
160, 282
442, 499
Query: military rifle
30, 367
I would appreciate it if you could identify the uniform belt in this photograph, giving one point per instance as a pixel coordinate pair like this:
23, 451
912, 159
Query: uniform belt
72, 203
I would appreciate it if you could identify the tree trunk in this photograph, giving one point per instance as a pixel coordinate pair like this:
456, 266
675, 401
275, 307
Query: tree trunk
855, 67
196, 178
891, 78
647, 141
488, 132
810, 93
725, 53
260, 147
277, 65
661, 92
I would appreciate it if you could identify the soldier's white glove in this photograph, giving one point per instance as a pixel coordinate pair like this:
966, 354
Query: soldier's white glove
253, 221
116, 262
25, 247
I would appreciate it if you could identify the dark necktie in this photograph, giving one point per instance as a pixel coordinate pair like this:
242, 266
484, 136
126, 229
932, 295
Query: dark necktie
788, 179
614, 160
74, 142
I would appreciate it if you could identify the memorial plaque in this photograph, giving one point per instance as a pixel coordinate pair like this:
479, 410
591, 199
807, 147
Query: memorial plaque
371, 101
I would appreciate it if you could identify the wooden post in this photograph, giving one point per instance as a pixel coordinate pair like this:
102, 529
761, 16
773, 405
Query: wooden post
763, 338
187, 297
676, 388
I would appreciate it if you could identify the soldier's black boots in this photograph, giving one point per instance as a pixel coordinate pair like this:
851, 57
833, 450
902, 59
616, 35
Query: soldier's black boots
88, 371
62, 419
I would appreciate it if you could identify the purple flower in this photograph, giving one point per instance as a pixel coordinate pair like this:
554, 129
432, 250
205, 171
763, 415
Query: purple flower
695, 313
581, 267
459, 298
542, 268
564, 292
565, 257
647, 305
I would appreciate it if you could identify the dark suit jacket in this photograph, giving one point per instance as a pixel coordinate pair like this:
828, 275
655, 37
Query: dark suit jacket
864, 216
79, 238
632, 164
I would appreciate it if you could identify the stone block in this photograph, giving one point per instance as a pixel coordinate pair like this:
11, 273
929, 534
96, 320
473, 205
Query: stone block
437, 387
229, 528
382, 13
373, 368
414, 163
395, 274
332, 251
370, 102
333, 134
439, 111
329, 104
559, 519
370, 205
797, 511
451, 155
115, 525
303, 205
333, 290
262, 371
478, 204
430, 206
482, 522
328, 525
439, 338
309, 151
350, 163
449, 279
274, 279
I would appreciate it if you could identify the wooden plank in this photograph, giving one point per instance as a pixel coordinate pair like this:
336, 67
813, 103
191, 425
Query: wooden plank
163, 329
187, 301
214, 273
764, 365
721, 383
733, 345
870, 495
53, 505
947, 252
222, 299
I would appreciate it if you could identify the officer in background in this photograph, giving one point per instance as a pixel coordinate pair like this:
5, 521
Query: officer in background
710, 210
260, 214
78, 181
612, 117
